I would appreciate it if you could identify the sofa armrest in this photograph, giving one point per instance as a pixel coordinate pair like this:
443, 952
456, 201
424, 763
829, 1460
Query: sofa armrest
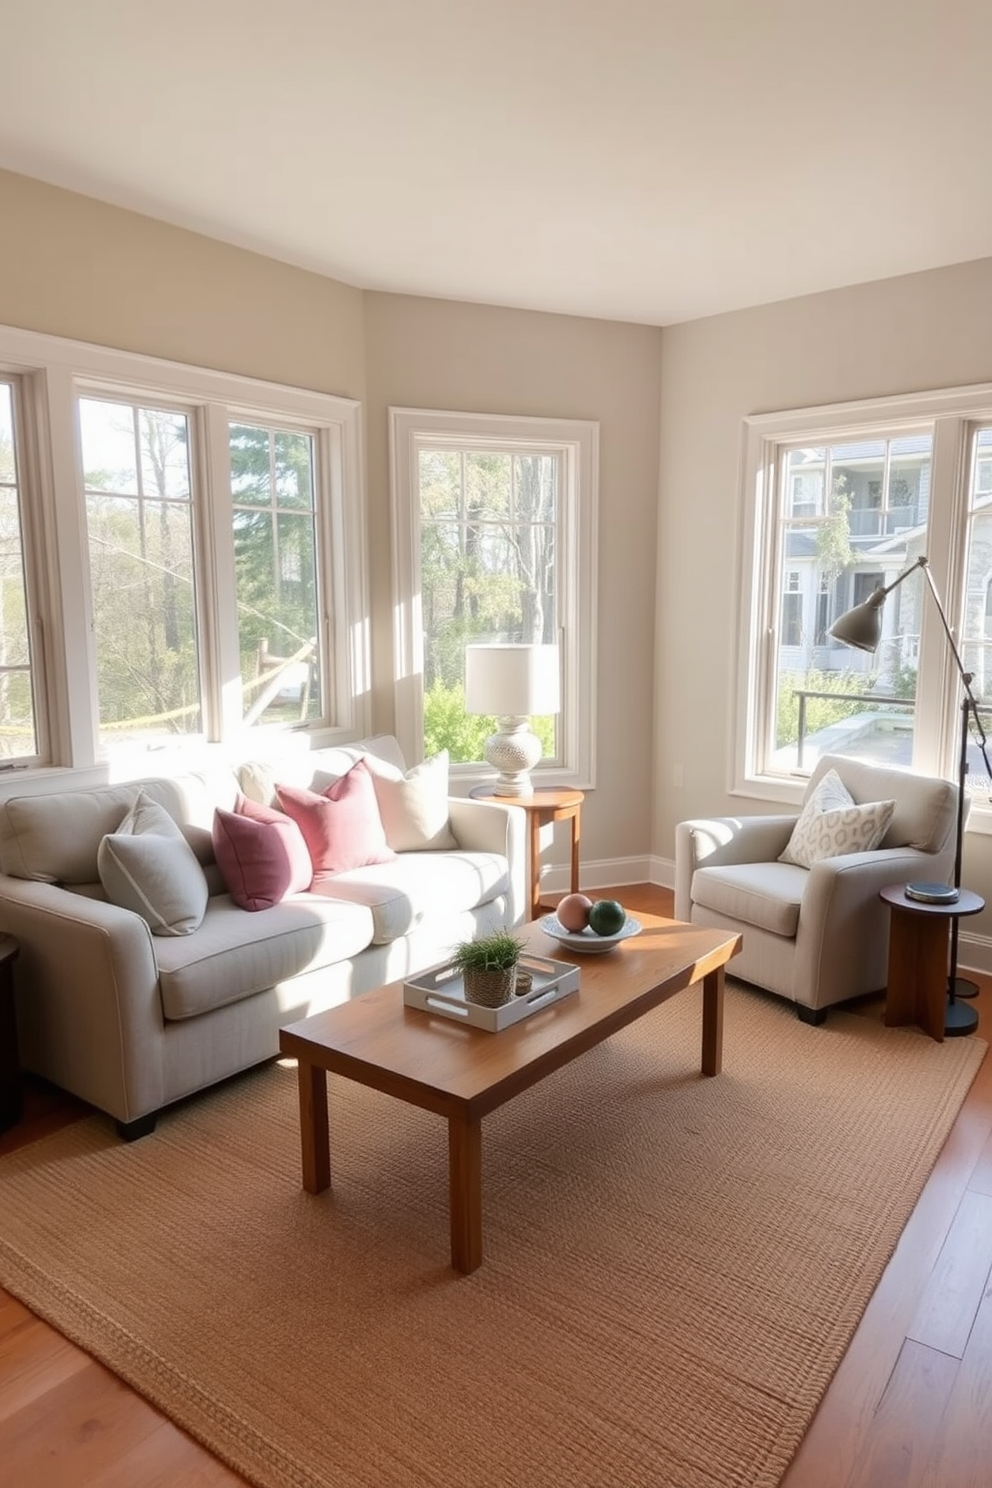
88, 1004
716, 841
489, 826
843, 935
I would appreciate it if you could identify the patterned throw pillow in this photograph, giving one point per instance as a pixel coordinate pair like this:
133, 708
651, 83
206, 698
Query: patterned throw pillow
831, 823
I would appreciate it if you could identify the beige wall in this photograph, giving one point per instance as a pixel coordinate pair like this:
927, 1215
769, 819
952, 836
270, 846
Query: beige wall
71, 266
908, 334
444, 354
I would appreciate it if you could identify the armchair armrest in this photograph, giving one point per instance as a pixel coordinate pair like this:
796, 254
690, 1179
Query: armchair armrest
716, 841
488, 826
89, 1009
843, 934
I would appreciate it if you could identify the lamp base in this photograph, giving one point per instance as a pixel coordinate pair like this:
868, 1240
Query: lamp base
959, 1019
513, 752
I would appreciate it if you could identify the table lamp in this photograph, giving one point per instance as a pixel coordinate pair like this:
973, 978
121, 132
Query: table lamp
512, 683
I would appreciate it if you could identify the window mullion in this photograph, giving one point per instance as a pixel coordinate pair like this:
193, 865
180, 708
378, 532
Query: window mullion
75, 643
221, 656
938, 682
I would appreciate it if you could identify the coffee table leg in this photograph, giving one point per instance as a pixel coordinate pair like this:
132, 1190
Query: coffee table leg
465, 1192
713, 1022
314, 1135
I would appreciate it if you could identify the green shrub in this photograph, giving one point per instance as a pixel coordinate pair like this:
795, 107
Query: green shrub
463, 735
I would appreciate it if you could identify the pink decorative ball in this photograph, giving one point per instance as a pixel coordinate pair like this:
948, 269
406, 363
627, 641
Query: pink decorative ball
573, 912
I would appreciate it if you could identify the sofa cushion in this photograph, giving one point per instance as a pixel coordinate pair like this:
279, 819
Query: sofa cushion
766, 895
261, 854
234, 955
342, 826
147, 866
313, 769
830, 824
404, 892
414, 805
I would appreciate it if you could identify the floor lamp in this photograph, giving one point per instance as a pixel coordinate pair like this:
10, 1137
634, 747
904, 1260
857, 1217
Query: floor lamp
862, 628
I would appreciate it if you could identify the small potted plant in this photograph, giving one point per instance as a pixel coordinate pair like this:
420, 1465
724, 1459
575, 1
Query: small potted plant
489, 967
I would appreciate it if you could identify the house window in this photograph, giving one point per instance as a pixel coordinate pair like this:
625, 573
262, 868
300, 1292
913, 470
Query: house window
792, 610
200, 541
495, 536
18, 713
905, 478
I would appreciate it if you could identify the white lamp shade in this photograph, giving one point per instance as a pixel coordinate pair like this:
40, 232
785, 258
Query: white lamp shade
512, 681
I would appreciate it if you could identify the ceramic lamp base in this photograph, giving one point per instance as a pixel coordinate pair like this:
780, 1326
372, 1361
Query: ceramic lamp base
513, 752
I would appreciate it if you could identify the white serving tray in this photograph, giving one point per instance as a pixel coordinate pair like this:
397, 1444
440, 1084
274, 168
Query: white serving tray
440, 990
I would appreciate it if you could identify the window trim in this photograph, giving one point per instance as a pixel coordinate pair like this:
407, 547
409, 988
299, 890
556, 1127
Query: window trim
951, 414
578, 440
51, 372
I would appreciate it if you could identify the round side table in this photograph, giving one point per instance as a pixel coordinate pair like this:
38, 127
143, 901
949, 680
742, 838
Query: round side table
918, 963
544, 805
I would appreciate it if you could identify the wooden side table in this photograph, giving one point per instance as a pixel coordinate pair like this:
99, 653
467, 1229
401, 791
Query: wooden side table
919, 969
545, 805
11, 1090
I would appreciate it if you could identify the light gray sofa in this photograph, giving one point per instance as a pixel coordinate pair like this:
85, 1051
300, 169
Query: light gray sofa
130, 1021
817, 935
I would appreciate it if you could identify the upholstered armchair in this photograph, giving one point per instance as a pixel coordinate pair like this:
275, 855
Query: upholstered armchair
816, 934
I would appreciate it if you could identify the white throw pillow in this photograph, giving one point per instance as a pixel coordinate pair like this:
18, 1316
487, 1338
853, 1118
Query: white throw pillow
414, 806
148, 866
831, 823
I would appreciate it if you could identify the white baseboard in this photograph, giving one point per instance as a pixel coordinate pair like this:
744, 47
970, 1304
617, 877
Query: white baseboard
606, 872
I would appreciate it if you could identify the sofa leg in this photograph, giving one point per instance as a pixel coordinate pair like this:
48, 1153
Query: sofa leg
142, 1127
813, 1016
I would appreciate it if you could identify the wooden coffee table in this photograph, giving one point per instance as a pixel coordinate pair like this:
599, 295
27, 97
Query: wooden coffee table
463, 1073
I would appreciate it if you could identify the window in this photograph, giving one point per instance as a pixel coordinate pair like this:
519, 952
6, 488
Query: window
274, 517
203, 556
839, 502
138, 491
792, 610
494, 523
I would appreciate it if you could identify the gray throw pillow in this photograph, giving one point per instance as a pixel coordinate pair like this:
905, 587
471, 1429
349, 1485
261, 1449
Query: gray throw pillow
148, 866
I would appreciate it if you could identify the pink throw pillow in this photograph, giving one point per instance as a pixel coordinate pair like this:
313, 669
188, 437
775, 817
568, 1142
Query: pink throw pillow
261, 854
342, 826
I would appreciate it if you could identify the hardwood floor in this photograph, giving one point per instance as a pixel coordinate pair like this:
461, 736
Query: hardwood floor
909, 1407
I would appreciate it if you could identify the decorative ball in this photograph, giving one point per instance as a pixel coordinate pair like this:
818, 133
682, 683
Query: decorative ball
573, 912
607, 917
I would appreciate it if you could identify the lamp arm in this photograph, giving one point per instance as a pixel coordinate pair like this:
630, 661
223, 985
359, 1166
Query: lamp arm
965, 676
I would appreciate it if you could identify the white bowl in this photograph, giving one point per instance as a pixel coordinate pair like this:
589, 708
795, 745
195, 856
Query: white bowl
587, 940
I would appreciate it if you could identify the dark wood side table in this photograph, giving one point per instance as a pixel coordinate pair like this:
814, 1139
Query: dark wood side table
545, 805
11, 1090
919, 968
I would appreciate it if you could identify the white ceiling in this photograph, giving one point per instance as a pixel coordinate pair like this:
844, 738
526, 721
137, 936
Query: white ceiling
643, 160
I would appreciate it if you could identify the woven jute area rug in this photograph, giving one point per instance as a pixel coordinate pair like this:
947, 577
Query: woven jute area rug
674, 1265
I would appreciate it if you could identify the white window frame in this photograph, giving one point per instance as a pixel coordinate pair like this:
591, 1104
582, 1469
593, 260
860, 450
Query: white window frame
577, 443
951, 414
51, 373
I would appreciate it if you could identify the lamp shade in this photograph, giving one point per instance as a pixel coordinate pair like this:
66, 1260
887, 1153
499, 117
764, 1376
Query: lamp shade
512, 680
862, 626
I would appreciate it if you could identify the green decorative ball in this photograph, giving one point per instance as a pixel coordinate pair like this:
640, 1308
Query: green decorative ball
607, 917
